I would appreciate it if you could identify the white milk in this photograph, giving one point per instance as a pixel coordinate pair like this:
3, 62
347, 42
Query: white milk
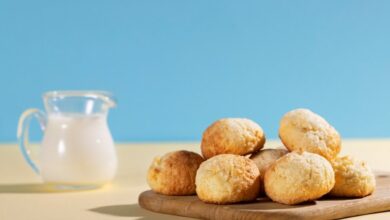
77, 150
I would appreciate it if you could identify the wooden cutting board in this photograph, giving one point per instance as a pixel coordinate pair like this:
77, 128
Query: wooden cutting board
263, 208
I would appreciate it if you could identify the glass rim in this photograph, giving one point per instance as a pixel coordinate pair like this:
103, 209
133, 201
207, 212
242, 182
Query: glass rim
95, 94
67, 93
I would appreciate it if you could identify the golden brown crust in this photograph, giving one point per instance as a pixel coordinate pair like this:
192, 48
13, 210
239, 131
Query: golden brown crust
303, 130
298, 177
174, 173
227, 178
232, 136
354, 178
264, 159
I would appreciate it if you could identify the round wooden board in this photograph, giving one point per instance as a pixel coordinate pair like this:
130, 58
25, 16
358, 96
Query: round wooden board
263, 208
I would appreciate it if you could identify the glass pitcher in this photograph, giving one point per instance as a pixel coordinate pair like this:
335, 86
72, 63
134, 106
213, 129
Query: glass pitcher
77, 147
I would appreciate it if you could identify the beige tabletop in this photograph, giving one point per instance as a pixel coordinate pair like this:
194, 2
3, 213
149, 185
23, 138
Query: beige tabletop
22, 196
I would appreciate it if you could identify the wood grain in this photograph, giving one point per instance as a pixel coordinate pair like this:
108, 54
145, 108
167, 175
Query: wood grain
263, 208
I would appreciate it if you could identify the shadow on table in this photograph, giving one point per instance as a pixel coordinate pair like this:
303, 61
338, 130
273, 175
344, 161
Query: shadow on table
37, 188
131, 210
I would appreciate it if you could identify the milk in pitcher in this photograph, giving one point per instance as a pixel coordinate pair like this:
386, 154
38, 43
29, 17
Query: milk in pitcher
75, 146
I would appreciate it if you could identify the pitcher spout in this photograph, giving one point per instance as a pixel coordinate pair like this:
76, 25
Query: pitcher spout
107, 97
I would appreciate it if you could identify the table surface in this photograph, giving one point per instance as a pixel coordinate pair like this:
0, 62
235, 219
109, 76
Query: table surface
22, 196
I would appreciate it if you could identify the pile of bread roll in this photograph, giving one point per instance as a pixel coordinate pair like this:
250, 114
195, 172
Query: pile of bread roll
234, 168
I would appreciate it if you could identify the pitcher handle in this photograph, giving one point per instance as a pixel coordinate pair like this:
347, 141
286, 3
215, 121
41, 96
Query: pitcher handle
23, 131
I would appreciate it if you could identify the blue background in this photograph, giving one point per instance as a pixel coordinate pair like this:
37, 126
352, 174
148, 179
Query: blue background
176, 66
